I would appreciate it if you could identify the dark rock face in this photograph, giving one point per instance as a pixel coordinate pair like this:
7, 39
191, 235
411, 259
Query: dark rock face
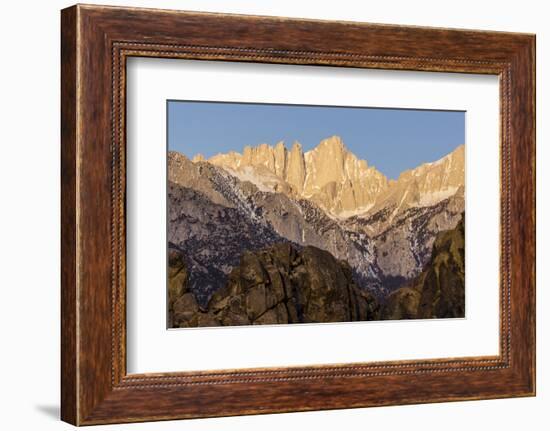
438, 292
178, 291
279, 284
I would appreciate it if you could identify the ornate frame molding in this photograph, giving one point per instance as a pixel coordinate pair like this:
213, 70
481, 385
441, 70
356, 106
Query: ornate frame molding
96, 41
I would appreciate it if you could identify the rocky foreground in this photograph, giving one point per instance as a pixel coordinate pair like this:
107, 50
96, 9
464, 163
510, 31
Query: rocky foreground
438, 292
283, 284
279, 284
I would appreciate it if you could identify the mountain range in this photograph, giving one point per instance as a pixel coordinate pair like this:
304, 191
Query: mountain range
337, 181
235, 203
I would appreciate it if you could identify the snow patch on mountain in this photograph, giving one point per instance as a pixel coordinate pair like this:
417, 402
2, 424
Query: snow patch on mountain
248, 174
432, 198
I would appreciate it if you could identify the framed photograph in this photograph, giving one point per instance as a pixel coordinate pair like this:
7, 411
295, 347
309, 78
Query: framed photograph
264, 215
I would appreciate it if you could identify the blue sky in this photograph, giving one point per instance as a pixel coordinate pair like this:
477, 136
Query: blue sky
392, 140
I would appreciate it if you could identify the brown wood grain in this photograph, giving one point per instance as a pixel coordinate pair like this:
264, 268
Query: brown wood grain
96, 41
69, 368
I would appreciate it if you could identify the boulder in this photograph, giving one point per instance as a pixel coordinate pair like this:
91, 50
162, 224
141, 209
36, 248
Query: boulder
438, 292
279, 285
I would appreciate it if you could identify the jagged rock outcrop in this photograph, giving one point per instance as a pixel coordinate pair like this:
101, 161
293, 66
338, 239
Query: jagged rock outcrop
438, 292
328, 175
340, 183
279, 284
179, 297
423, 186
295, 170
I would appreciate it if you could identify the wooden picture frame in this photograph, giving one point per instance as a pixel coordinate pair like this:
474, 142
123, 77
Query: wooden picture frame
95, 43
